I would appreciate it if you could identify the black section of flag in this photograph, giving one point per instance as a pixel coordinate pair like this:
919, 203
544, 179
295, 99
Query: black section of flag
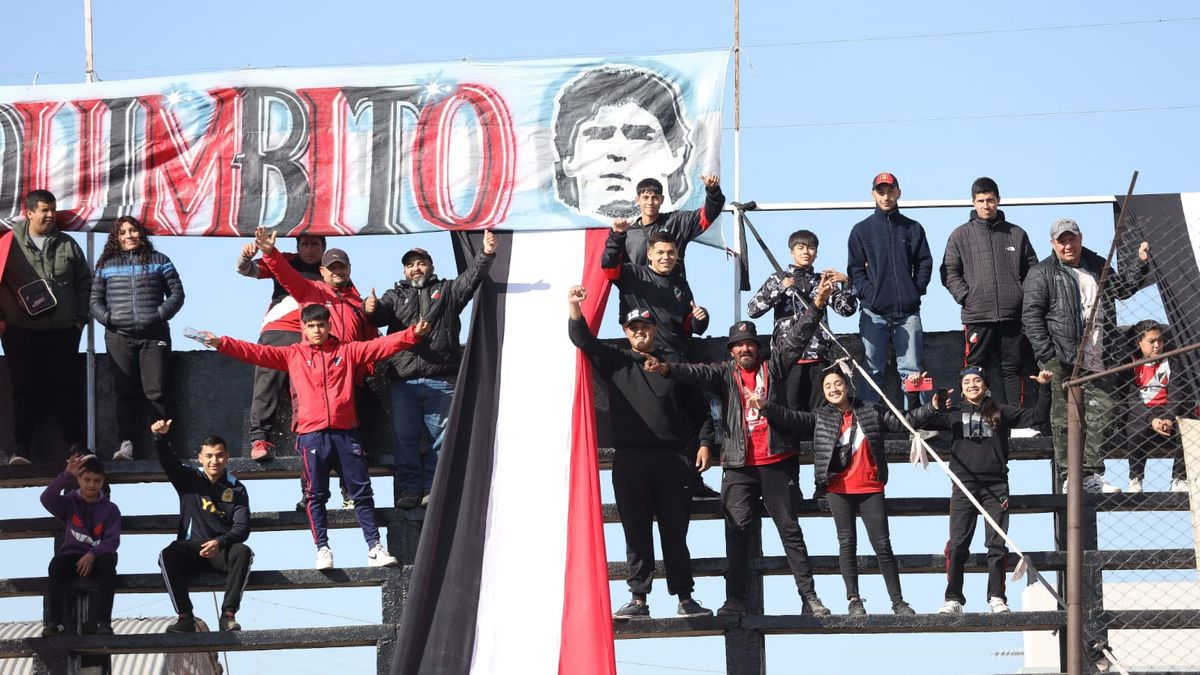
437, 631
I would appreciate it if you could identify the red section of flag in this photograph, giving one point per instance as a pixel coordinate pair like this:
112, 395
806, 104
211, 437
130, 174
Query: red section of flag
6, 239
587, 637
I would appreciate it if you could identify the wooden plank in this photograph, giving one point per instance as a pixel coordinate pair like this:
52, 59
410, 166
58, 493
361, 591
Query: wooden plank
216, 641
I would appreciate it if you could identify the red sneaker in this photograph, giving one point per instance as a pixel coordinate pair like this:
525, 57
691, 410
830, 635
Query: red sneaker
260, 451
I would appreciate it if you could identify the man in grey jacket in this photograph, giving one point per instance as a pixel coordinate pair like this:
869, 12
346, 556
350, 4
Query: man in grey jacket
43, 309
1060, 293
986, 261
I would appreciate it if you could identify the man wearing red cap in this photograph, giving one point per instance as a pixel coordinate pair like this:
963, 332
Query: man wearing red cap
890, 264
423, 377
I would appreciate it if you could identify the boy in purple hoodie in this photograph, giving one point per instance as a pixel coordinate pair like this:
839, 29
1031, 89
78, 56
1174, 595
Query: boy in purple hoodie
89, 548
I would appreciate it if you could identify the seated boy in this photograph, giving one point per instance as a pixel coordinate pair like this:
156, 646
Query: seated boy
803, 383
89, 548
1149, 414
323, 369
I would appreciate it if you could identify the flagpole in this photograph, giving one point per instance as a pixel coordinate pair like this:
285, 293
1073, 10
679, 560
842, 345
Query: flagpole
90, 74
737, 156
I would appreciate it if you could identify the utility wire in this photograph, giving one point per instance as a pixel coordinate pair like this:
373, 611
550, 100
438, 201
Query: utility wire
313, 611
959, 118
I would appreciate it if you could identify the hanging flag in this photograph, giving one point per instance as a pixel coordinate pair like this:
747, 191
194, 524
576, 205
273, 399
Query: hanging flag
1171, 224
511, 573
528, 145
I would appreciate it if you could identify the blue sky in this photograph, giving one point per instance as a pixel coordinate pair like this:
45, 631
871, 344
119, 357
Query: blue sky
1050, 99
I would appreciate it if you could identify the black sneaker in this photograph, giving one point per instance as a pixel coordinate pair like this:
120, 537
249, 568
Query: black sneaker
185, 624
632, 610
301, 506
701, 490
814, 606
856, 607
732, 607
690, 607
50, 629
227, 622
104, 628
409, 500
902, 608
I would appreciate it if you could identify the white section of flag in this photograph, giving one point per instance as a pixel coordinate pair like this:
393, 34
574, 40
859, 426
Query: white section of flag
520, 601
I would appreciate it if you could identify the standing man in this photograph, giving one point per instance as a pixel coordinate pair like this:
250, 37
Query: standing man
1060, 293
659, 287
986, 261
323, 371
423, 377
653, 422
683, 226
214, 523
44, 298
760, 459
280, 327
890, 266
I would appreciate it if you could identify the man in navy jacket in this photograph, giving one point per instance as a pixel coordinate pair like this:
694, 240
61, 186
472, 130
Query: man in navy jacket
890, 265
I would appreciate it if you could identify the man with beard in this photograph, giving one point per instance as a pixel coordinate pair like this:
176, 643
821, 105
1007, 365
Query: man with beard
423, 377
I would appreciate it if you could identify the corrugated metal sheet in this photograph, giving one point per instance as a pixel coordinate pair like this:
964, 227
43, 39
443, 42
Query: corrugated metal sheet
122, 664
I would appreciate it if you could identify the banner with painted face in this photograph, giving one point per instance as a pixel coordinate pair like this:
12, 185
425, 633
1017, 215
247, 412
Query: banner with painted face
525, 145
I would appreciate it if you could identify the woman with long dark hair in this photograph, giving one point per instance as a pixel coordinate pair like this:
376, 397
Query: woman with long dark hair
135, 292
979, 432
851, 472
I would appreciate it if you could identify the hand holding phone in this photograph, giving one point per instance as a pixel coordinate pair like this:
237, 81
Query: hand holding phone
914, 384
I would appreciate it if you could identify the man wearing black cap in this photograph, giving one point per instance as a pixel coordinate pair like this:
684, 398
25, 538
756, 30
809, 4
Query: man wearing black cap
659, 287
1060, 294
653, 422
759, 460
889, 262
423, 377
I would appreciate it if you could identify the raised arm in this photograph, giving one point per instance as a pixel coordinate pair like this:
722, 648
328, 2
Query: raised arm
303, 290
177, 472
462, 287
248, 352
246, 265
378, 349
53, 498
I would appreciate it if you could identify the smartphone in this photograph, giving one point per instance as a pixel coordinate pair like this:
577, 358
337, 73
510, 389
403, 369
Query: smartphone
923, 384
943, 396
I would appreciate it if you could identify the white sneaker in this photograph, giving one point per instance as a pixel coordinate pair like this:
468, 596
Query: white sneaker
379, 557
1095, 484
1179, 485
125, 453
998, 605
1024, 433
17, 460
1134, 487
951, 607
324, 558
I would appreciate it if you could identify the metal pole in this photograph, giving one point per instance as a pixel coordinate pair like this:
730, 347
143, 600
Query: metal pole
1075, 433
90, 73
737, 156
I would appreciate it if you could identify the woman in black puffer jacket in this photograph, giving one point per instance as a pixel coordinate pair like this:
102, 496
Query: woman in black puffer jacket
135, 292
851, 472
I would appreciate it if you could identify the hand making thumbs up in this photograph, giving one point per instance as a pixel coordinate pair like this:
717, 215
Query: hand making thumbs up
371, 302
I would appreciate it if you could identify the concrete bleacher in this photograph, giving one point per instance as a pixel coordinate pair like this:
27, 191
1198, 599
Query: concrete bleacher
196, 374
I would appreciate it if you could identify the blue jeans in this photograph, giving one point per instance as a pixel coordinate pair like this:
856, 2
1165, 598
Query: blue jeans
905, 335
419, 405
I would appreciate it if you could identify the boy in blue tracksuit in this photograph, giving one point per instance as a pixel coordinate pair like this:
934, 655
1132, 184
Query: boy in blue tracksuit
89, 546
890, 265
214, 523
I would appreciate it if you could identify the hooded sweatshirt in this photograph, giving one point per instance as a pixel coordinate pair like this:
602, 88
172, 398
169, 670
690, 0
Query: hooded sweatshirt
91, 528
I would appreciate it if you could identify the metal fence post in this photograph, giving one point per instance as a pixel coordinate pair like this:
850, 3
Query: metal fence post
1075, 529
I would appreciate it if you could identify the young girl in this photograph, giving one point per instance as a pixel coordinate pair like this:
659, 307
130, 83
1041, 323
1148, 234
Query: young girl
980, 432
135, 292
851, 471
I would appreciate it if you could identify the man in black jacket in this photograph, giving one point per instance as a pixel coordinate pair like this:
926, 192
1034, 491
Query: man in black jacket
683, 226
889, 263
1059, 295
654, 423
659, 287
759, 458
986, 261
214, 523
423, 377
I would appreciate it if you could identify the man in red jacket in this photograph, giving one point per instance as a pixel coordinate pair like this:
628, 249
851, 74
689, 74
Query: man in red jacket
323, 370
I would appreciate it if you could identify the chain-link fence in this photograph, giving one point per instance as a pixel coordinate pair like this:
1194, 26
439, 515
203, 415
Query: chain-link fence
1138, 379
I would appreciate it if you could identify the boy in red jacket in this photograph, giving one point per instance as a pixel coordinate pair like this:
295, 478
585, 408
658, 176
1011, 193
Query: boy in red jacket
89, 548
323, 370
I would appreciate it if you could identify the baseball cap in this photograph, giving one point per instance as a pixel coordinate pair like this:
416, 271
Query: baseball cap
334, 255
884, 178
742, 330
637, 314
1064, 225
415, 253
